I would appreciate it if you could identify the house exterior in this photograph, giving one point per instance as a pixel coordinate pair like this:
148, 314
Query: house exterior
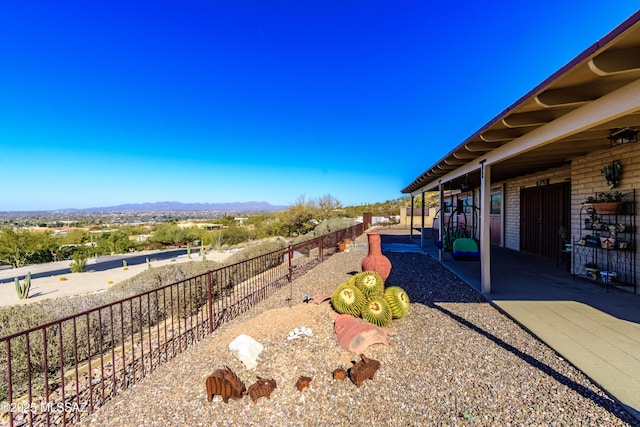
523, 177
414, 217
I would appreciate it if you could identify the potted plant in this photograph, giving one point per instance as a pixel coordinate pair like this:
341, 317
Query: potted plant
614, 229
612, 173
608, 276
607, 202
607, 242
592, 270
563, 233
589, 240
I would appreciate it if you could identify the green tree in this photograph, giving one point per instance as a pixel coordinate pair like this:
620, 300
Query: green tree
235, 234
298, 219
328, 207
114, 242
171, 234
17, 248
75, 236
263, 225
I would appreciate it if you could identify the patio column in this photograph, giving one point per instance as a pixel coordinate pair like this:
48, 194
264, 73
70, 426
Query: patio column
411, 220
422, 225
441, 204
485, 236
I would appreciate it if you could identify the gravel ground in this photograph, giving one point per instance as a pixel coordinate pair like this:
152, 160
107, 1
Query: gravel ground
455, 360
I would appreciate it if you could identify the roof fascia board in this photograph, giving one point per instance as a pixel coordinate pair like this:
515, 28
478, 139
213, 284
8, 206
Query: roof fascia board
618, 103
582, 57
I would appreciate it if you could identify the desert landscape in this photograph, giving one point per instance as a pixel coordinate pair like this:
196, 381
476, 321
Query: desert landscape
87, 282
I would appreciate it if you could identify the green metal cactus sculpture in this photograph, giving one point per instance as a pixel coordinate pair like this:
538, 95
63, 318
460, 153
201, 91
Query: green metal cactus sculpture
22, 289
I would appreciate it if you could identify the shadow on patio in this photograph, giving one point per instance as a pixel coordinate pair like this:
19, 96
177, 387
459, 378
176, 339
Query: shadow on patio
596, 329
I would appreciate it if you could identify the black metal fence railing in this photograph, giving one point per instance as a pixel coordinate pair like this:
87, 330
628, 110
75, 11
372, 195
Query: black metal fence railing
58, 372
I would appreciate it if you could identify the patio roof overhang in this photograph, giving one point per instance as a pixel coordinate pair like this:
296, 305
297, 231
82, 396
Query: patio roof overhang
570, 114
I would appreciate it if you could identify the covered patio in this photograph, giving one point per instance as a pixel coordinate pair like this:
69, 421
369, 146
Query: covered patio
594, 328
524, 182
543, 155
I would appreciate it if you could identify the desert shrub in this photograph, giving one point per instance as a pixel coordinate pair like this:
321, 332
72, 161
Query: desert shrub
79, 262
255, 250
325, 227
105, 326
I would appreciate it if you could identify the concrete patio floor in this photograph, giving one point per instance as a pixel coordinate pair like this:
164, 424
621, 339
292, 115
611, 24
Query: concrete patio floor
594, 328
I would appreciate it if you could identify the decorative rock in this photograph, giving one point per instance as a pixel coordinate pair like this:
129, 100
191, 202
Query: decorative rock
303, 382
261, 388
226, 384
302, 331
355, 336
318, 298
363, 370
247, 350
340, 374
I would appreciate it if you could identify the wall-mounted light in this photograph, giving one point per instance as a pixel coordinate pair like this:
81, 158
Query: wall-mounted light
620, 136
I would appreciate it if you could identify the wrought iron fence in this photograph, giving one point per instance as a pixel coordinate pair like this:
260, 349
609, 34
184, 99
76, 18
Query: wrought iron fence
58, 372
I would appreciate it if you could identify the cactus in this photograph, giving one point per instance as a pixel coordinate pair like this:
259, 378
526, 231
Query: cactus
369, 282
22, 289
398, 301
347, 299
377, 311
612, 173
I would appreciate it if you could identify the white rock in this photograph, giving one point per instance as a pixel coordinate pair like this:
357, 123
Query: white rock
247, 350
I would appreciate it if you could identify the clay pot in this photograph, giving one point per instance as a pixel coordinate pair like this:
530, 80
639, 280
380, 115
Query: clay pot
375, 261
355, 335
606, 208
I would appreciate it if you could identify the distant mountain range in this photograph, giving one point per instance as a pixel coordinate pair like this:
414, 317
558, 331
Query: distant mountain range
178, 206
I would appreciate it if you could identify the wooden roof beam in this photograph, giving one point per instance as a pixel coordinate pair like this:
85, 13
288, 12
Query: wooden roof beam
567, 96
481, 147
616, 61
502, 135
534, 118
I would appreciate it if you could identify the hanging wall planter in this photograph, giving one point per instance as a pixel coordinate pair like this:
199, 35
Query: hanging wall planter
612, 173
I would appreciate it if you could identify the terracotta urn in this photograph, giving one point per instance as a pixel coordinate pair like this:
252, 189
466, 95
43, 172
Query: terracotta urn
375, 260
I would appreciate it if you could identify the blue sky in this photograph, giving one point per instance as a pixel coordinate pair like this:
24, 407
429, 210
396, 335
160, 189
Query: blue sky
104, 103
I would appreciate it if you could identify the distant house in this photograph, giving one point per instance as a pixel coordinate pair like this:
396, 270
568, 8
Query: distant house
526, 173
204, 225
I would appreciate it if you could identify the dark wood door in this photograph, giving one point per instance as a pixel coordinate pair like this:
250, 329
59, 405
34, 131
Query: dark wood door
543, 210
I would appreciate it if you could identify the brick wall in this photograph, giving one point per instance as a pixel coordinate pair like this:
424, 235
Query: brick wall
586, 180
512, 200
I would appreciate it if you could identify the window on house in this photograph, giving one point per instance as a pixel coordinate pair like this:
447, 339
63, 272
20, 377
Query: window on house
495, 200
464, 205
